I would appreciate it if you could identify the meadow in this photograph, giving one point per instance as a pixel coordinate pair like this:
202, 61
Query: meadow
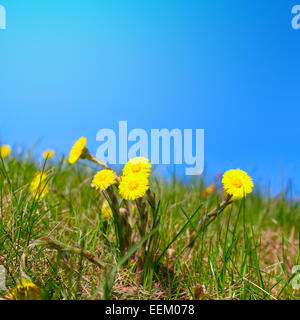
64, 235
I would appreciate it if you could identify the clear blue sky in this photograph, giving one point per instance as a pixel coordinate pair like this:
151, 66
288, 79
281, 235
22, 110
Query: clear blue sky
231, 67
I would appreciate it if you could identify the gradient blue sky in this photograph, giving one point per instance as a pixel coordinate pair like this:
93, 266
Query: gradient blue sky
70, 68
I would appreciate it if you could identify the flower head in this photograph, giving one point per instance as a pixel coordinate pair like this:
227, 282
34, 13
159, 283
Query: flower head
5, 151
77, 150
48, 154
210, 189
133, 186
106, 210
138, 165
26, 290
39, 184
103, 179
237, 183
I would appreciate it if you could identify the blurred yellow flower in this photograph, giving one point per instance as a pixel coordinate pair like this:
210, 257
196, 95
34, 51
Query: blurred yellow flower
237, 183
103, 179
5, 151
77, 150
39, 184
133, 186
138, 165
26, 290
106, 210
48, 154
210, 189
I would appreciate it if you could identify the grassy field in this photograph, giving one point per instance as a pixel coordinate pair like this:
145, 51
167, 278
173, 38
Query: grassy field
68, 247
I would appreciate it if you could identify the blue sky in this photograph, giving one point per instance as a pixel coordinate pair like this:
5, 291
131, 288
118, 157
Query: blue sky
71, 68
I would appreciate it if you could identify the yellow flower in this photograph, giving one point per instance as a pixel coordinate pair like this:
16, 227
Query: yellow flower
138, 165
39, 184
48, 154
26, 290
5, 151
210, 189
237, 183
106, 210
103, 179
133, 186
77, 150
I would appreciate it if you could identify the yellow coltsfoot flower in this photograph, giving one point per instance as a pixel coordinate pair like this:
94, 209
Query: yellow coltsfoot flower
48, 154
103, 179
133, 186
106, 210
26, 290
237, 184
5, 151
39, 184
138, 165
210, 189
77, 150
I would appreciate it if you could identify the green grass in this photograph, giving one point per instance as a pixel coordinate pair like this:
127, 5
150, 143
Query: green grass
247, 252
